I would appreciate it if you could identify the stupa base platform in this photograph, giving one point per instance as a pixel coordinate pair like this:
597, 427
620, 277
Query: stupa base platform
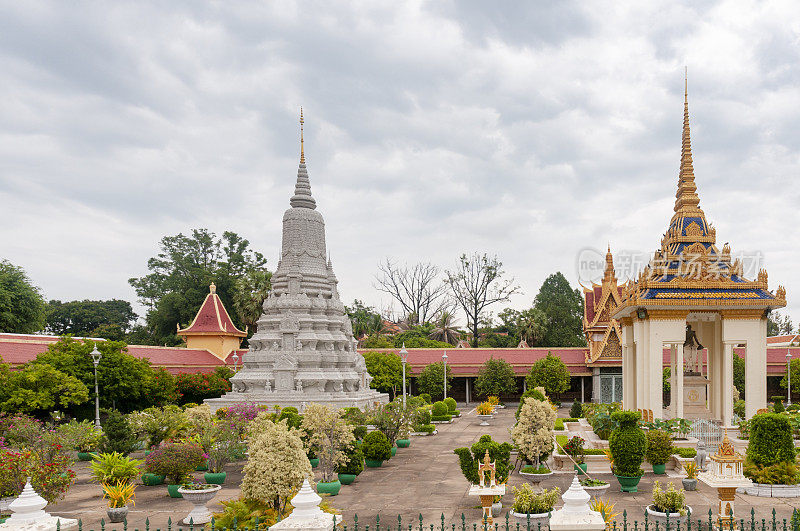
300, 400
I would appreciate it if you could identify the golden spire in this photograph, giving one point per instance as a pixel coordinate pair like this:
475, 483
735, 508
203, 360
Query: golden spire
609, 273
686, 197
302, 153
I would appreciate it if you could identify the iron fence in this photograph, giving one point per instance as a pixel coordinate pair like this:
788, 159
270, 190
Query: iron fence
506, 523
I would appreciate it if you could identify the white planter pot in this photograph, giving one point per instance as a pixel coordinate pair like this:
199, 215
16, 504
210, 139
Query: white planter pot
675, 519
484, 419
598, 490
4, 502
536, 478
535, 519
771, 491
200, 513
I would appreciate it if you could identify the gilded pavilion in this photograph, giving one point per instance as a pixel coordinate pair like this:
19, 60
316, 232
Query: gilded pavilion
693, 301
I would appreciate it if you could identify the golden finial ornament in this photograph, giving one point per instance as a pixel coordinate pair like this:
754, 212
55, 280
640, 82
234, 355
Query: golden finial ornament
686, 199
302, 152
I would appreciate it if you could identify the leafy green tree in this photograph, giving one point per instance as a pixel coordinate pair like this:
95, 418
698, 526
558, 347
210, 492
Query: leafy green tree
126, 383
445, 328
493, 340
386, 369
376, 342
496, 377
110, 319
431, 379
181, 273
531, 325
22, 307
37, 388
738, 374
562, 307
416, 338
549, 372
194, 388
250, 292
795, 367
365, 320
779, 324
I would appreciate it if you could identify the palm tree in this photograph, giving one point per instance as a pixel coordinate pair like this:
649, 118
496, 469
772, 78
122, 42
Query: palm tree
531, 325
446, 329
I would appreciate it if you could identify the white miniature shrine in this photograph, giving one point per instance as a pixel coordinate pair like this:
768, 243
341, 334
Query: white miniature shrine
487, 490
726, 474
28, 514
576, 514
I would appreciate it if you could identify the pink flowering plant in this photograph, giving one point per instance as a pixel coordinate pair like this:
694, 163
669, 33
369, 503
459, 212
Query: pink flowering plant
239, 415
175, 460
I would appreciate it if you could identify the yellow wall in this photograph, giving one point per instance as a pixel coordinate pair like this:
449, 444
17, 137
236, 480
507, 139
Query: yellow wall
220, 346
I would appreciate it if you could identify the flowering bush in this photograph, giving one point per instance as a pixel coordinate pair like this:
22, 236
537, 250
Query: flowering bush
199, 386
533, 433
83, 436
277, 464
20, 431
329, 436
174, 460
574, 448
160, 424
239, 415
50, 479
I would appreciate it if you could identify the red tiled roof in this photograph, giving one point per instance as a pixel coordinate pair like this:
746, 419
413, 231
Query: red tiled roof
787, 339
467, 361
212, 318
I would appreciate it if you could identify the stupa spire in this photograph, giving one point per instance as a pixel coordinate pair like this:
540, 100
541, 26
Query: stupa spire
686, 198
302, 189
609, 273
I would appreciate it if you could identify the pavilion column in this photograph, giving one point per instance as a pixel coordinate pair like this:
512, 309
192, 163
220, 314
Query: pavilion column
679, 380
755, 365
583, 394
727, 384
467, 382
673, 402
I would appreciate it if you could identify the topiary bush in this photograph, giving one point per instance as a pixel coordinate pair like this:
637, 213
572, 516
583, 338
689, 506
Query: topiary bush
355, 461
770, 440
779, 407
376, 446
119, 434
628, 444
576, 411
440, 412
469, 458
450, 402
359, 432
426, 397
659, 446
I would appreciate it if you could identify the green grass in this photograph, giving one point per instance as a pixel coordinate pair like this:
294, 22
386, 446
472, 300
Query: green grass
559, 425
529, 469
684, 452
571, 419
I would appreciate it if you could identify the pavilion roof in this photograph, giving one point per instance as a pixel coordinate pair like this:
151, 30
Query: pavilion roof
212, 319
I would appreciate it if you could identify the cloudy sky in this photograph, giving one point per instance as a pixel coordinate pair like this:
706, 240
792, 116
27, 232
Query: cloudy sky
529, 130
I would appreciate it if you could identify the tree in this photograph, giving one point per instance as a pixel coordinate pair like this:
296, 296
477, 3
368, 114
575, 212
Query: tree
250, 292
181, 273
778, 324
417, 289
431, 379
476, 284
365, 320
386, 369
738, 374
21, 304
277, 463
549, 372
126, 383
795, 367
533, 433
329, 437
38, 388
531, 326
446, 329
194, 388
562, 307
110, 319
496, 377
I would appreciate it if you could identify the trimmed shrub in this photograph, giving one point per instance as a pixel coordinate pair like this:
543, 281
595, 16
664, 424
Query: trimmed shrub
376, 446
427, 428
779, 407
770, 440
576, 410
426, 397
440, 411
684, 452
628, 444
359, 432
785, 473
119, 434
469, 458
355, 461
451, 404
659, 446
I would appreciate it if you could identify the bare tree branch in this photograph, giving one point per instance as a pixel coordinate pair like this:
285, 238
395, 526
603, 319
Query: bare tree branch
476, 283
419, 290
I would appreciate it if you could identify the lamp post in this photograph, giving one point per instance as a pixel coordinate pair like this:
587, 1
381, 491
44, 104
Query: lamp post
789, 379
96, 361
404, 359
235, 361
444, 371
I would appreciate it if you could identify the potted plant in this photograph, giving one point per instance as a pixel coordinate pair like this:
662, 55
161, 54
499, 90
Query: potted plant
112, 468
219, 457
118, 496
376, 449
534, 507
329, 437
574, 448
470, 458
690, 481
484, 411
151, 480
535, 475
659, 450
352, 467
533, 434
669, 505
85, 436
493, 401
174, 461
628, 445
594, 486
198, 494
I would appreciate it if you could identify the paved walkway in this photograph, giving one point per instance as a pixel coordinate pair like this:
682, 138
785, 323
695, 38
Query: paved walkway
423, 479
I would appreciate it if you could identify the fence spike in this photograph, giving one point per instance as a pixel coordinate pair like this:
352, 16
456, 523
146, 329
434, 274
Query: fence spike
442, 514
463, 522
